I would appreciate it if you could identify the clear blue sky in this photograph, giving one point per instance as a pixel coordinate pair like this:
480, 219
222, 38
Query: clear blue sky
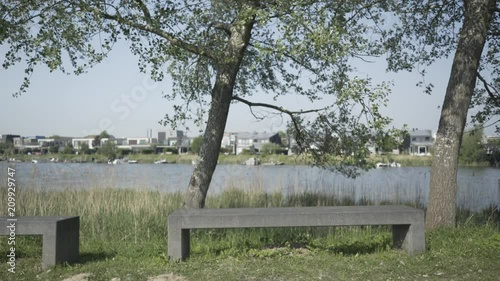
115, 96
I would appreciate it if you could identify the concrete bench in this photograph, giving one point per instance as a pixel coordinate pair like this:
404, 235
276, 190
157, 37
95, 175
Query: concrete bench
408, 229
60, 236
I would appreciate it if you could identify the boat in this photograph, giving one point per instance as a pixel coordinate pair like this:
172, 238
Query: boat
34, 161
273, 163
164, 161
252, 162
132, 161
388, 165
116, 161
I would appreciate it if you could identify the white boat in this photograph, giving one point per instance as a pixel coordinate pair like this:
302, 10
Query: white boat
116, 161
132, 161
34, 161
388, 165
252, 162
273, 163
162, 161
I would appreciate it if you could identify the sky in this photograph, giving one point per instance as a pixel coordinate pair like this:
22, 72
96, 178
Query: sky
114, 96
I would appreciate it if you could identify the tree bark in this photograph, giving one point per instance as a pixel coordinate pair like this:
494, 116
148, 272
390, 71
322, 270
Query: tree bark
222, 94
441, 209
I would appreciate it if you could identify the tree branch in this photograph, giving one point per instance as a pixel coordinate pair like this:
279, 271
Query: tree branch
145, 10
277, 108
286, 54
494, 97
192, 48
221, 26
292, 114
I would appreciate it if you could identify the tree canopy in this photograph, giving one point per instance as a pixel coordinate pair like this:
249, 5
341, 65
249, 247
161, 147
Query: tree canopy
221, 51
196, 144
472, 149
426, 31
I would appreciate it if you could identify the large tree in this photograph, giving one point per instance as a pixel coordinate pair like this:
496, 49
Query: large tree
432, 29
218, 52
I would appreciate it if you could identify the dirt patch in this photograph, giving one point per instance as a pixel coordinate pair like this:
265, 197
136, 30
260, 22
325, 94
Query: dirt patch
167, 277
78, 277
163, 277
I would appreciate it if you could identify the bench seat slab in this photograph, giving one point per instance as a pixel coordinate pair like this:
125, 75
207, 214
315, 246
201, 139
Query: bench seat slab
60, 236
407, 223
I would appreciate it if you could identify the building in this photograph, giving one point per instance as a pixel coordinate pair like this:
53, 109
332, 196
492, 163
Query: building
249, 141
419, 142
140, 141
162, 137
8, 138
491, 144
77, 142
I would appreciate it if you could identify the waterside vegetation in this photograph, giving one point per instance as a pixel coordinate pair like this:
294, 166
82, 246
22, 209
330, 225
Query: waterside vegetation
404, 160
123, 235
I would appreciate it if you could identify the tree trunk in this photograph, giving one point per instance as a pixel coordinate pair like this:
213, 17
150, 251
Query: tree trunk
210, 147
441, 209
222, 94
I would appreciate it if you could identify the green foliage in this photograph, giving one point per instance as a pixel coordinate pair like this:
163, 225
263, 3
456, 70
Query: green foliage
122, 235
104, 134
303, 48
196, 144
68, 149
96, 142
228, 150
432, 28
108, 149
284, 138
6, 148
123, 152
147, 151
171, 150
391, 140
84, 148
54, 149
471, 149
270, 148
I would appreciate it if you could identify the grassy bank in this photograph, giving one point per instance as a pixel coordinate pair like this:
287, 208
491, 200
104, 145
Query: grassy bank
123, 234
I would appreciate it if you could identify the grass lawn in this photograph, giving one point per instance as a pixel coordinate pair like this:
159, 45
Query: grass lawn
123, 238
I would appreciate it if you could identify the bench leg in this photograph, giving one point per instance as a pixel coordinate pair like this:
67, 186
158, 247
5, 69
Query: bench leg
61, 243
409, 237
178, 243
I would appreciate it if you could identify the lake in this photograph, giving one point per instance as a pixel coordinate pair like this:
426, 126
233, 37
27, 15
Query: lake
478, 188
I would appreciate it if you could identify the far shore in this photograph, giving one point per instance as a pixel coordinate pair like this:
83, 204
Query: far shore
403, 160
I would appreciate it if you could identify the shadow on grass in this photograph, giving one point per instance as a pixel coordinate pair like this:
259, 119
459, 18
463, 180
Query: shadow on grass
88, 257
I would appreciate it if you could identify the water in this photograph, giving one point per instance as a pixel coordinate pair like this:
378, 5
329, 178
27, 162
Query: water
478, 188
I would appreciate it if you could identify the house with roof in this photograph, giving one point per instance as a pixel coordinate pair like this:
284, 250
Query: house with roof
253, 142
419, 142
491, 144
78, 142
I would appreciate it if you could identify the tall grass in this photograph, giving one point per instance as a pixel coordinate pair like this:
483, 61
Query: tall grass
116, 216
136, 219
